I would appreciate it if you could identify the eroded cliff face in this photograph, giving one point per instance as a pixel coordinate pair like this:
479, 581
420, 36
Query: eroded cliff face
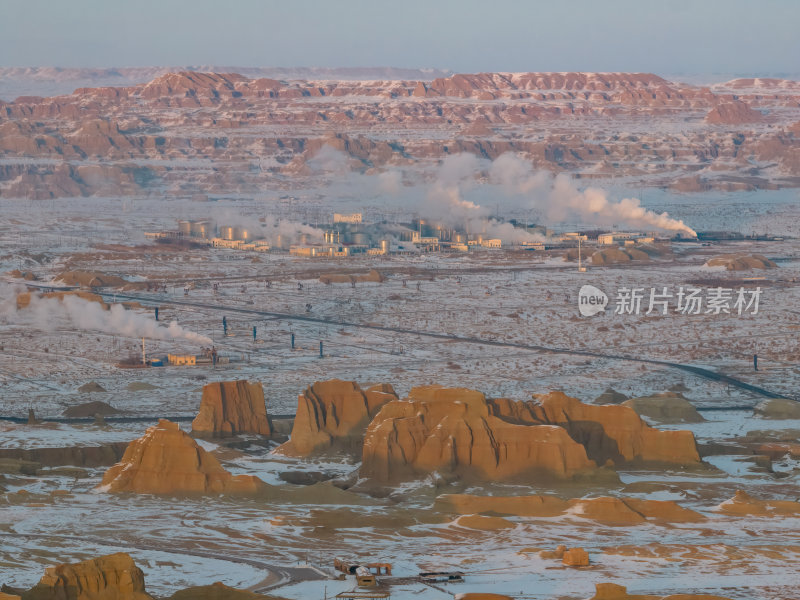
139, 138
610, 433
332, 417
458, 431
166, 460
231, 407
452, 431
112, 577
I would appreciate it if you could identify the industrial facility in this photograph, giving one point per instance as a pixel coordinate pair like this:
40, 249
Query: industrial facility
348, 235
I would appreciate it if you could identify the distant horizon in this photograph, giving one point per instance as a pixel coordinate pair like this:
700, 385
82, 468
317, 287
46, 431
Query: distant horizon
464, 36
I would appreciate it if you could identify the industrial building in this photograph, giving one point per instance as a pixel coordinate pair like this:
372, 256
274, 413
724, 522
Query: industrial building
627, 238
347, 235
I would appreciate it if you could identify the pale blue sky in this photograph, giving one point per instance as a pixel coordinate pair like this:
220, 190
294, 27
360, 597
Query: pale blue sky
663, 36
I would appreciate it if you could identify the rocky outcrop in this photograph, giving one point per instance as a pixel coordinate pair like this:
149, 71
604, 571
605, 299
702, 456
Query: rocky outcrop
614, 433
743, 504
741, 262
90, 279
735, 112
778, 408
165, 460
627, 511
484, 522
372, 276
666, 407
217, 591
454, 432
332, 417
25, 298
611, 511
51, 146
232, 407
610, 396
112, 577
613, 256
613, 591
575, 557
91, 409
520, 506
77, 456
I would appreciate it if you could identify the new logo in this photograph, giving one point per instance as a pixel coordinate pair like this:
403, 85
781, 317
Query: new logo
591, 300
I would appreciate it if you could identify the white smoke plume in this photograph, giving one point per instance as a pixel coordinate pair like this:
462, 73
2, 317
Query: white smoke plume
283, 233
277, 232
559, 199
47, 314
464, 191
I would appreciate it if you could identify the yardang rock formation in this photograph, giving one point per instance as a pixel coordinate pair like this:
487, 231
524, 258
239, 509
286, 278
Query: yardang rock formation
231, 407
166, 460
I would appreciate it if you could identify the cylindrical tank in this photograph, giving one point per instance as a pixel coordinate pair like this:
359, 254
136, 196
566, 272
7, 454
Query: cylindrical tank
199, 228
185, 228
226, 233
385, 246
240, 233
459, 238
360, 239
303, 239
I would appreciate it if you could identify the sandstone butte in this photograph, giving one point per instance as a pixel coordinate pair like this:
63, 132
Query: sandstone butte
611, 511
742, 504
458, 431
231, 407
612, 591
454, 431
611, 433
112, 577
217, 591
166, 460
333, 415
575, 557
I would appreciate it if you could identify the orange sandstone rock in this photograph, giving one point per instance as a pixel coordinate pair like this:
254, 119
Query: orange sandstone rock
615, 433
743, 504
231, 407
166, 460
521, 506
332, 415
557, 553
112, 577
622, 511
612, 591
484, 523
216, 591
576, 557
453, 431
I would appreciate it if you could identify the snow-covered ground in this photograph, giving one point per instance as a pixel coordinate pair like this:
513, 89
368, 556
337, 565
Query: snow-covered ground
523, 302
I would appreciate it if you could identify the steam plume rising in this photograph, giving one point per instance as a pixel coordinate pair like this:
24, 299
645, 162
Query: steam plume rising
48, 313
559, 198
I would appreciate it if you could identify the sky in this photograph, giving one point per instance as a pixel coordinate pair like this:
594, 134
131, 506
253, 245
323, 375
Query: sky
757, 37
